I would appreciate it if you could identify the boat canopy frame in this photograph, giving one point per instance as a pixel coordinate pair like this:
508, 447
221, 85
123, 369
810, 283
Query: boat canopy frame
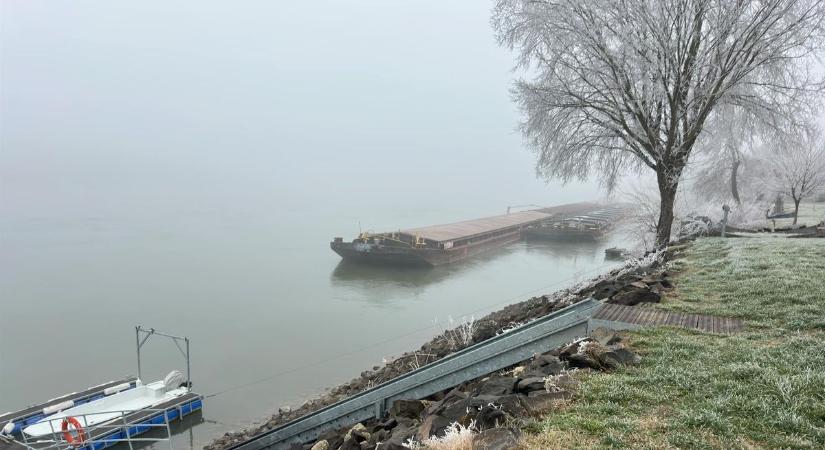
143, 334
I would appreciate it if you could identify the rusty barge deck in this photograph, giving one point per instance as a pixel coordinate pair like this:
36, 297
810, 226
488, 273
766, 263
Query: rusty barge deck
444, 244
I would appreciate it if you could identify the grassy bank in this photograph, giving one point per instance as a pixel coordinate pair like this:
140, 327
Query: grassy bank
810, 214
763, 388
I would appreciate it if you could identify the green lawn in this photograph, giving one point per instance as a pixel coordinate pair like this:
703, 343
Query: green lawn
763, 388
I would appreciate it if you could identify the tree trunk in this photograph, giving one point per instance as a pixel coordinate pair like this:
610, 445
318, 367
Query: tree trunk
667, 196
734, 189
796, 209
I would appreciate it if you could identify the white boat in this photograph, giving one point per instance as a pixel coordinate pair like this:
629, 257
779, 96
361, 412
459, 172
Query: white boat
112, 407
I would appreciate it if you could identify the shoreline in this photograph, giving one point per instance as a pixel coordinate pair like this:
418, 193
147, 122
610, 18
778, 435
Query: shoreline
616, 284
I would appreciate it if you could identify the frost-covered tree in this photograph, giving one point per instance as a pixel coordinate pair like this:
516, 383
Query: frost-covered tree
618, 85
728, 145
799, 168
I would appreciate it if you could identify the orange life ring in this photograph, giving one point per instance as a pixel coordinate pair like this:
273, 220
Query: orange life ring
67, 435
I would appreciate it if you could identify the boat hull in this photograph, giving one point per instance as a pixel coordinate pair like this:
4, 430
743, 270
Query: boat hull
107, 408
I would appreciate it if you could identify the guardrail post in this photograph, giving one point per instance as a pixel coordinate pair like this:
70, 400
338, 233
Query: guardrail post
379, 409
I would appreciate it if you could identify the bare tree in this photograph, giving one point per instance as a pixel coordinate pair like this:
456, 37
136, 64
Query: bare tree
727, 144
800, 170
623, 85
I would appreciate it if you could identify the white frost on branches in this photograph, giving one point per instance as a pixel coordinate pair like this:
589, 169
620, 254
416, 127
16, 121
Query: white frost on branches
623, 85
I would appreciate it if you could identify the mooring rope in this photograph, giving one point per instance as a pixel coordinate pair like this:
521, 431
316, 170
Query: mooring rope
400, 336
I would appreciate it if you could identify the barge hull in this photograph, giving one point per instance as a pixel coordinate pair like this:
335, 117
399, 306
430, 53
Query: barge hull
425, 257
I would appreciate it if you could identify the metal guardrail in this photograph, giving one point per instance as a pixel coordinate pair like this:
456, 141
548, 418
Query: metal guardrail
493, 354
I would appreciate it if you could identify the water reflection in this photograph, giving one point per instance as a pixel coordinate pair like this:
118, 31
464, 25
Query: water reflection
351, 274
380, 285
567, 248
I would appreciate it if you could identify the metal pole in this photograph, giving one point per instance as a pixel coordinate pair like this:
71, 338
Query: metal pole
126, 430
137, 345
188, 367
726, 209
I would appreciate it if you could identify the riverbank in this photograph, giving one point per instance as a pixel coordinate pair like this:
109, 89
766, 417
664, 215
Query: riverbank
761, 388
630, 284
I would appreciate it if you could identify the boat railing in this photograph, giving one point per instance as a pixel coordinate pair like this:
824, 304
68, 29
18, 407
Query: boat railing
116, 428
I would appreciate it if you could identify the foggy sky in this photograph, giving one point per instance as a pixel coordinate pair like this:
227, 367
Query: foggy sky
148, 107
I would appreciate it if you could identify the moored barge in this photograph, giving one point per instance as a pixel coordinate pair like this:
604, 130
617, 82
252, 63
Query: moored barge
438, 244
590, 226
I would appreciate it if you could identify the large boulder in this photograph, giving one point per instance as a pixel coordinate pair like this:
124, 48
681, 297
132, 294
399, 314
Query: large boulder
590, 354
433, 425
355, 436
609, 360
635, 296
605, 336
546, 364
387, 424
496, 386
528, 385
512, 404
584, 360
495, 439
411, 409
625, 356
453, 396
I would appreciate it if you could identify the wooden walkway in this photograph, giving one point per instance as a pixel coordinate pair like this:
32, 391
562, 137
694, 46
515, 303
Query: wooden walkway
640, 317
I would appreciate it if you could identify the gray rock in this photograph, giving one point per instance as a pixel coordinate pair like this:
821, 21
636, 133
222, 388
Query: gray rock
496, 386
378, 436
411, 409
609, 360
350, 444
452, 397
573, 347
605, 336
386, 424
360, 435
490, 417
334, 438
432, 426
634, 297
626, 356
584, 361
495, 439
512, 404
320, 445
530, 384
547, 364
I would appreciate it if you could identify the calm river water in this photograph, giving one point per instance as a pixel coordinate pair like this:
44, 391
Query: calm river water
184, 166
258, 294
